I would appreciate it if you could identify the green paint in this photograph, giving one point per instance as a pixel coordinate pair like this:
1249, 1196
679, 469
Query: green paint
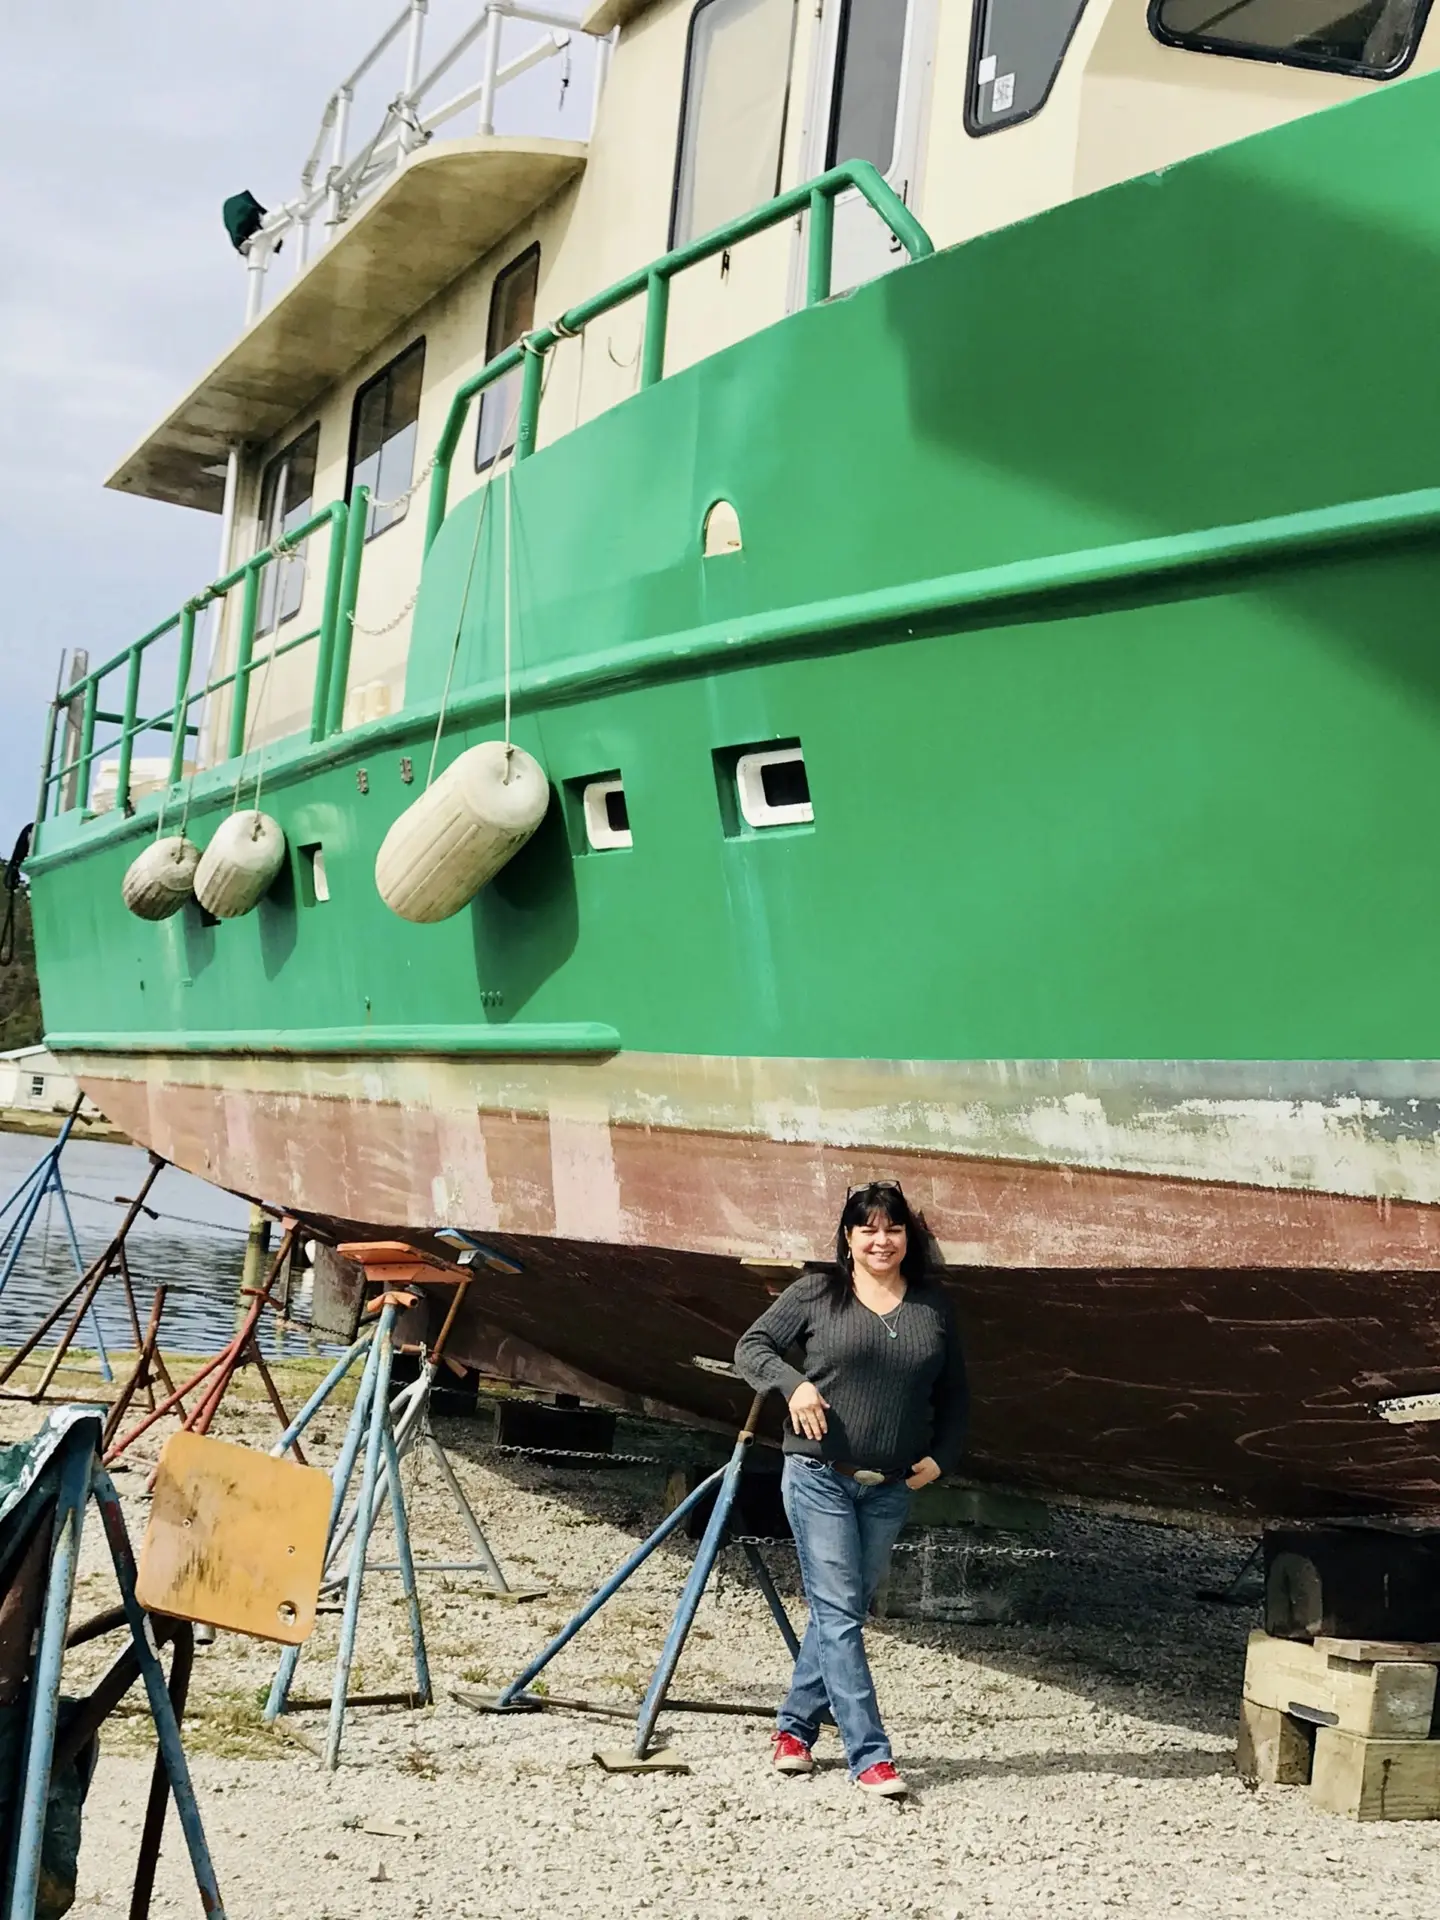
1123, 736
654, 282
336, 674
182, 690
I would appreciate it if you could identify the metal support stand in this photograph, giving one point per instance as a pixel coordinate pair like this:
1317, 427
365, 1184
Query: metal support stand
393, 1263
410, 1419
725, 1481
370, 1425
217, 1373
80, 1476
44, 1181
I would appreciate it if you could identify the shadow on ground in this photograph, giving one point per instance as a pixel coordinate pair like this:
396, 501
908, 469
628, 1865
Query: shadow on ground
1104, 1609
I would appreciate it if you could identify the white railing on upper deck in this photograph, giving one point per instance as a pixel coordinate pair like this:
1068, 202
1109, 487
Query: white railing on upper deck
334, 182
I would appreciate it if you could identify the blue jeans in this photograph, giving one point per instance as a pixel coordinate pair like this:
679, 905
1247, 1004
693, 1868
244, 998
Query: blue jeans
843, 1536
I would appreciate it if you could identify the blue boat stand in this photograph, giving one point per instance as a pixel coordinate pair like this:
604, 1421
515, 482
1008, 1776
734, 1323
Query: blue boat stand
410, 1420
81, 1476
370, 1427
725, 1482
21, 1209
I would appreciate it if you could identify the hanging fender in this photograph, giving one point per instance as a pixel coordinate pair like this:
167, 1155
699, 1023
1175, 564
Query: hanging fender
160, 880
237, 867
461, 832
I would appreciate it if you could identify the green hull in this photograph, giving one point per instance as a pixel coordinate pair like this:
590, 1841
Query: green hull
1095, 565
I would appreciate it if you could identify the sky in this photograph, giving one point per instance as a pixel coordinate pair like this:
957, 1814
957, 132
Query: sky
125, 127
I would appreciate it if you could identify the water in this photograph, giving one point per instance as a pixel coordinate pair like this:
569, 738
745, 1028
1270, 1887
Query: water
196, 1248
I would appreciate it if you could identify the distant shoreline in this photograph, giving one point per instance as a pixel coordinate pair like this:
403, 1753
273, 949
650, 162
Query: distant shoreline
46, 1126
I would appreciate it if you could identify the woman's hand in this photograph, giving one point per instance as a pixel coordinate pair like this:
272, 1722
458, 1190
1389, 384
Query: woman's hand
807, 1412
922, 1473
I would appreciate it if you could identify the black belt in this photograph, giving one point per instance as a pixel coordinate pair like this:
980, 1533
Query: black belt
867, 1476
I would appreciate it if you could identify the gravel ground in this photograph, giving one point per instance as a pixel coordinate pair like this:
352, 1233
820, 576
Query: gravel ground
1069, 1729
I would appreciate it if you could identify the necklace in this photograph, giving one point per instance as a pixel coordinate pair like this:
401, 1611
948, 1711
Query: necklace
885, 1318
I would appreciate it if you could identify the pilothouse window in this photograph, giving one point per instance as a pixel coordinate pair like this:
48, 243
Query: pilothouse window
382, 437
287, 499
1016, 50
1375, 40
512, 313
732, 120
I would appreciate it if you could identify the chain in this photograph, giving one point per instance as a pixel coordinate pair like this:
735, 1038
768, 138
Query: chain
404, 499
372, 633
575, 1453
926, 1543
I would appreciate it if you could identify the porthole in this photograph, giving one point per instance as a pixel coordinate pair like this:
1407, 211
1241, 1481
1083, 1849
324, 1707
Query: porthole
773, 789
721, 532
607, 817
316, 883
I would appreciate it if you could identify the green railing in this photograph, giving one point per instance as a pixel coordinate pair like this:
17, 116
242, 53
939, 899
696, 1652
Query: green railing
347, 523
817, 198
332, 665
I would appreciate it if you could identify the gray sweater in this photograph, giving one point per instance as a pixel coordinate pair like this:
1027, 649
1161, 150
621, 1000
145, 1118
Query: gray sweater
892, 1401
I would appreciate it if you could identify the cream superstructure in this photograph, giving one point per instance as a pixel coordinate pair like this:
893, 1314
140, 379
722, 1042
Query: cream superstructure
751, 86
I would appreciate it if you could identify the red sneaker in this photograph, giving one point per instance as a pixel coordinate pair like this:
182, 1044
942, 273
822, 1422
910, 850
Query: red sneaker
789, 1755
882, 1779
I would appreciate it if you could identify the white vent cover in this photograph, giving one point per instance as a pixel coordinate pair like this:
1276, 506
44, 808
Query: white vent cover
607, 823
757, 808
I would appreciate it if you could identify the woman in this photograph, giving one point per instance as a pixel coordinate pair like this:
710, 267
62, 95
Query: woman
876, 1409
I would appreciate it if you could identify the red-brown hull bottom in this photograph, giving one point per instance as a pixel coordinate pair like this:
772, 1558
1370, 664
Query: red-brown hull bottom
1154, 1342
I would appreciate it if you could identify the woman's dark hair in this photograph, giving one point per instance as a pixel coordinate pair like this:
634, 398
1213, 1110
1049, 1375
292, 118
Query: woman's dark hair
880, 1200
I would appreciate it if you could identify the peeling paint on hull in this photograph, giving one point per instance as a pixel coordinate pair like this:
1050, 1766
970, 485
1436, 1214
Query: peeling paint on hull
1135, 1337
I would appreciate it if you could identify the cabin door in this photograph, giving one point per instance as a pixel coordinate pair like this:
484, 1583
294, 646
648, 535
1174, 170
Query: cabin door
869, 90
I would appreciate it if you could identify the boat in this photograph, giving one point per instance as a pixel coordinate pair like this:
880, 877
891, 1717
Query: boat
962, 555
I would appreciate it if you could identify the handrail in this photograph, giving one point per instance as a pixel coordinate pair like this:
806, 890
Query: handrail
348, 521
815, 196
332, 656
332, 185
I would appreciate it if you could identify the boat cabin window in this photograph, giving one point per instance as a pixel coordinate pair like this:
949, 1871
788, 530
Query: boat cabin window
383, 428
512, 313
287, 500
732, 116
865, 101
1374, 39
1017, 48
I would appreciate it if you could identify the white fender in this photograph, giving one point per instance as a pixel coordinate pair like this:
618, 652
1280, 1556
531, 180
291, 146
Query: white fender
160, 880
461, 831
237, 867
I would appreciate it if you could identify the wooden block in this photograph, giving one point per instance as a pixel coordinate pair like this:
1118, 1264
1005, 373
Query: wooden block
1376, 1779
1392, 1699
1272, 1749
661, 1760
1381, 1649
236, 1539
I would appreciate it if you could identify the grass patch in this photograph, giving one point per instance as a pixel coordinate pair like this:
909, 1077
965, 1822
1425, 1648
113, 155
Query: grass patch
226, 1725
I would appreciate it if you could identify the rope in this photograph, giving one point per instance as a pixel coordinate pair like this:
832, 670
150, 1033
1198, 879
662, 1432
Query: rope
260, 745
216, 626
455, 643
282, 549
509, 428
8, 932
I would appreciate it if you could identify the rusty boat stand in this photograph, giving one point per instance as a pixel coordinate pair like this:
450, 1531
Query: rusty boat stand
39, 1554
375, 1428
724, 1483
